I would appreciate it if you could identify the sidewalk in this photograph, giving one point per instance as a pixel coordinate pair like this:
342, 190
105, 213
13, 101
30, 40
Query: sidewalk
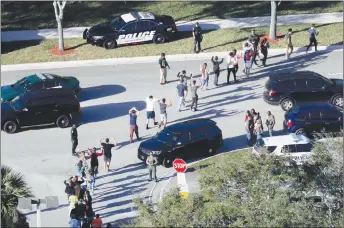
210, 24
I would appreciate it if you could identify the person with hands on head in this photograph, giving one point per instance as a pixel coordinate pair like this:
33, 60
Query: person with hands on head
107, 152
182, 75
216, 68
152, 162
150, 101
163, 113
133, 114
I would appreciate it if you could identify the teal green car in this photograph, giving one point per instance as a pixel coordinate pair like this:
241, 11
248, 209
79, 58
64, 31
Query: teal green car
36, 82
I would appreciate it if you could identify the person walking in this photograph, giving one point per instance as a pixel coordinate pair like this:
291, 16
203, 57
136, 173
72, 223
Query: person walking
107, 152
194, 95
254, 40
186, 80
79, 168
264, 45
97, 222
181, 94
81, 210
312, 37
198, 37
74, 138
289, 44
88, 198
248, 55
258, 128
91, 181
231, 61
205, 75
133, 114
216, 68
150, 101
163, 113
270, 123
152, 162
236, 56
163, 64
93, 154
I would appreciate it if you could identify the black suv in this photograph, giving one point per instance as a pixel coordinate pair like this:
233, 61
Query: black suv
188, 139
287, 89
132, 28
319, 117
51, 106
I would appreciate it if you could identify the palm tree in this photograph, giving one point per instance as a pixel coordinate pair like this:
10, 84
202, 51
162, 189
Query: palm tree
13, 187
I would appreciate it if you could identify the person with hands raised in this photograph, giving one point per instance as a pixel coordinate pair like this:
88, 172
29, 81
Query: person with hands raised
107, 146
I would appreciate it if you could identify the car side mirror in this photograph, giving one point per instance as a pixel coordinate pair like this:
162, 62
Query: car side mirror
25, 110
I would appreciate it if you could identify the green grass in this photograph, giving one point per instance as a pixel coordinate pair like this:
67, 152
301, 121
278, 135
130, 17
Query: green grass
37, 15
214, 41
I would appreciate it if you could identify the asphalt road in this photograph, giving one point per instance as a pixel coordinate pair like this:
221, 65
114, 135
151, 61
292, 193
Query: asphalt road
44, 155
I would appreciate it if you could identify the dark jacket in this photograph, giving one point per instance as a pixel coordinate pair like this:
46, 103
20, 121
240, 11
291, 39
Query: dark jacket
216, 64
81, 210
74, 134
94, 160
69, 188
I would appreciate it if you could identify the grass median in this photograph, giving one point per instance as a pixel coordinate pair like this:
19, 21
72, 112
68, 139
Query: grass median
214, 41
38, 15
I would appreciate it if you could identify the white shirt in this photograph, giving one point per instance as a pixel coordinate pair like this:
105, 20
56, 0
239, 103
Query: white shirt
231, 61
312, 30
150, 104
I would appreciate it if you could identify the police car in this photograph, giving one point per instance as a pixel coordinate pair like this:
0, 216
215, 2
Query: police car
297, 147
132, 28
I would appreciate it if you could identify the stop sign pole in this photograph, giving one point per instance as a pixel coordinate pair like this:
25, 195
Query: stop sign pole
180, 167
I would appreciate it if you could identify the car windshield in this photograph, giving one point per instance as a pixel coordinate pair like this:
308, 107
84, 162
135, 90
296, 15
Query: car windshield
17, 103
117, 23
19, 83
167, 137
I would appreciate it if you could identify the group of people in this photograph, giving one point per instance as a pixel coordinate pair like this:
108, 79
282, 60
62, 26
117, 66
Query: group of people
254, 125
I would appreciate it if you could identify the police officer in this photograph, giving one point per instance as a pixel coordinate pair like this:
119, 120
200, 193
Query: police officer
197, 35
151, 165
74, 138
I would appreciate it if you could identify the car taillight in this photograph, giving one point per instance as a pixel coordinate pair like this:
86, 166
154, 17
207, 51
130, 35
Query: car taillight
289, 124
272, 92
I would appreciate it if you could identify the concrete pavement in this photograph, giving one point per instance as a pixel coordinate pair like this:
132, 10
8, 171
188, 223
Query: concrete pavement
210, 24
43, 156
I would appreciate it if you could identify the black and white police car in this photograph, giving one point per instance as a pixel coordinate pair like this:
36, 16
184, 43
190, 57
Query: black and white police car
132, 28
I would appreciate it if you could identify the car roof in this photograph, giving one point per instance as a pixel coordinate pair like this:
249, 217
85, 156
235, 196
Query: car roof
190, 125
286, 140
133, 16
294, 75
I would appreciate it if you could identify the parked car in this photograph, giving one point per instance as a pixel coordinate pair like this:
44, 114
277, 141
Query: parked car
37, 82
288, 89
130, 28
187, 139
297, 147
319, 117
53, 106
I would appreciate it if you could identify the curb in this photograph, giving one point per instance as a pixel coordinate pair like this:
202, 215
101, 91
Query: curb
145, 59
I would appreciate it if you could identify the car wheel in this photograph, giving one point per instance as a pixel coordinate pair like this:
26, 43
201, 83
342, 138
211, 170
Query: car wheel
167, 162
300, 132
338, 101
211, 151
159, 38
10, 126
63, 121
109, 44
287, 104
84, 36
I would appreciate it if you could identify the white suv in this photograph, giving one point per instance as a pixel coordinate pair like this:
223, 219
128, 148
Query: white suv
298, 147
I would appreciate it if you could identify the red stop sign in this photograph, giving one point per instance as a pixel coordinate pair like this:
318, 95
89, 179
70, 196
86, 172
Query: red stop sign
179, 165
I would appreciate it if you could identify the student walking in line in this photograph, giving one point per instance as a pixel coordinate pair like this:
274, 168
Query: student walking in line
150, 101
73, 223
107, 152
186, 81
231, 61
205, 75
194, 95
254, 40
258, 127
91, 181
312, 37
181, 93
74, 138
163, 113
97, 222
236, 56
133, 114
289, 44
270, 123
264, 45
163, 64
152, 162
93, 154
198, 37
216, 68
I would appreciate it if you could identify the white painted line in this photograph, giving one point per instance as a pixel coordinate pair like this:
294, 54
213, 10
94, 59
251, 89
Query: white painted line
335, 73
155, 184
162, 191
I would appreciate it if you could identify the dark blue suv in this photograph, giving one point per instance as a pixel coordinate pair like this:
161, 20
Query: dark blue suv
310, 118
187, 139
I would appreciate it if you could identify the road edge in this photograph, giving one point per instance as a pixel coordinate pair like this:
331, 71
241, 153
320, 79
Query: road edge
144, 59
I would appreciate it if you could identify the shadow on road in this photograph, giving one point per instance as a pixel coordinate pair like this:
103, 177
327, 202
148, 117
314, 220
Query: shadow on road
98, 113
96, 92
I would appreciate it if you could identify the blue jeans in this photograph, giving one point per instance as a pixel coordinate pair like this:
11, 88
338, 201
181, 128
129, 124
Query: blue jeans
92, 183
205, 82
